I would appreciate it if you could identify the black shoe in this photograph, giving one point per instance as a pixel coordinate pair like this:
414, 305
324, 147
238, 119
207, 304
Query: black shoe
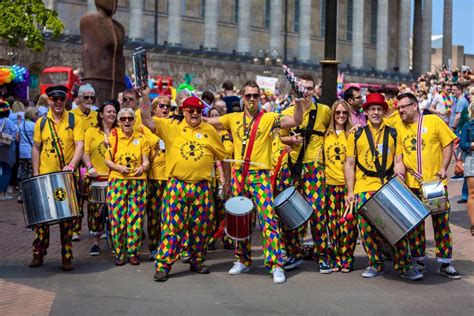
462, 201
160, 276
200, 268
211, 246
95, 251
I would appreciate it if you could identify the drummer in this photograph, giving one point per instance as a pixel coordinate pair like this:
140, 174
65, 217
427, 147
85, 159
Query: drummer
304, 169
58, 146
126, 195
365, 173
257, 183
95, 147
436, 150
343, 236
192, 147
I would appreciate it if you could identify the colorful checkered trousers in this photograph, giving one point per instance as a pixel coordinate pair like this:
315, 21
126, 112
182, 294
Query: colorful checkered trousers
41, 241
442, 236
155, 192
343, 236
257, 187
127, 202
372, 242
313, 187
187, 207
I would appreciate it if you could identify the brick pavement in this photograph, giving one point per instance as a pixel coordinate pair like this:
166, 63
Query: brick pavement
16, 299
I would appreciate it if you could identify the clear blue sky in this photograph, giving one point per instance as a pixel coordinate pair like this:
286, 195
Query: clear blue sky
463, 22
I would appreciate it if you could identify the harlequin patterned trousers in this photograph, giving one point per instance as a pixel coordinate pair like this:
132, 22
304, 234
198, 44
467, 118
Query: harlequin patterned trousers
41, 241
371, 240
156, 189
186, 207
257, 187
126, 200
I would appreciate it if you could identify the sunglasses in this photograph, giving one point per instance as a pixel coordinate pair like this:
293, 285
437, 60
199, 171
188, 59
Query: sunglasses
126, 99
250, 95
162, 106
58, 99
89, 97
194, 111
340, 112
127, 118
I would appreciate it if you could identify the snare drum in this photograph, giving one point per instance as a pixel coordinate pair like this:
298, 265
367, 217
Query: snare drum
49, 198
238, 217
434, 196
98, 192
292, 208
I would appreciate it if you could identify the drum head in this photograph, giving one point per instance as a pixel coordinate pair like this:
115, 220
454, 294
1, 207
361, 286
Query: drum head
239, 205
284, 196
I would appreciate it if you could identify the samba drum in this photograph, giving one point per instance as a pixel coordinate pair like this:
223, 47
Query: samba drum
50, 198
394, 210
292, 208
98, 192
434, 196
238, 217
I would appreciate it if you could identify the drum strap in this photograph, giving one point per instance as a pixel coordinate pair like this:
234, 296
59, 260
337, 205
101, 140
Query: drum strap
57, 144
248, 153
382, 171
276, 171
419, 152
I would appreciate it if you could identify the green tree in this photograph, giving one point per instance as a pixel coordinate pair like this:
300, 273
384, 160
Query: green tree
24, 22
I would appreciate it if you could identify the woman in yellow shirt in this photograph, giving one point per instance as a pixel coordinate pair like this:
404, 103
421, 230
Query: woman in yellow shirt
126, 194
95, 148
342, 236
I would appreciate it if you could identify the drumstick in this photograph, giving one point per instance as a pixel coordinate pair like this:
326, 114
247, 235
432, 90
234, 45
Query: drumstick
347, 216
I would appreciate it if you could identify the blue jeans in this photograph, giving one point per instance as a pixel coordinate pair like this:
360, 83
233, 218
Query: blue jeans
5, 176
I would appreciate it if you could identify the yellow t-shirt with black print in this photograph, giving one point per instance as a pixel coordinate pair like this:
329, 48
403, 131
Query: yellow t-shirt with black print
157, 161
95, 145
393, 119
128, 152
362, 153
313, 150
190, 152
88, 120
66, 137
262, 148
335, 149
435, 135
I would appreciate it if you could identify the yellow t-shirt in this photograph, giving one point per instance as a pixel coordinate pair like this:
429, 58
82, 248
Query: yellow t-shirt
95, 145
393, 119
323, 118
277, 147
128, 152
335, 149
88, 120
190, 152
49, 159
435, 135
228, 144
157, 161
262, 148
363, 155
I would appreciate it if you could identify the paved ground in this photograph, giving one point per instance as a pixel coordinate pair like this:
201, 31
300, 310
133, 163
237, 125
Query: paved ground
96, 286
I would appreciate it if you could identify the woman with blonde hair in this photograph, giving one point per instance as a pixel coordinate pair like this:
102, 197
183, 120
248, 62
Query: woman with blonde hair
343, 236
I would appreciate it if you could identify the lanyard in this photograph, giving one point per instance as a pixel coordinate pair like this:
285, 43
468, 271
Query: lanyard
57, 144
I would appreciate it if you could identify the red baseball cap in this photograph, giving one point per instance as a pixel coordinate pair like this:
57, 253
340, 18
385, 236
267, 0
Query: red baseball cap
375, 99
192, 102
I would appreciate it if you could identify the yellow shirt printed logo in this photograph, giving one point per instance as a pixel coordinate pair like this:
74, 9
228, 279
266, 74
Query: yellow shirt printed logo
191, 150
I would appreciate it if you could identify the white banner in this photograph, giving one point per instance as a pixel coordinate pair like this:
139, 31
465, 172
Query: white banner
267, 83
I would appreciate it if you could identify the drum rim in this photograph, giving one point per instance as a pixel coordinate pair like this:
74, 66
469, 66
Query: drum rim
238, 239
47, 174
239, 214
288, 198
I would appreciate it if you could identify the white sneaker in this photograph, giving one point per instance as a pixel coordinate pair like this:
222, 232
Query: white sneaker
6, 197
278, 276
239, 268
10, 189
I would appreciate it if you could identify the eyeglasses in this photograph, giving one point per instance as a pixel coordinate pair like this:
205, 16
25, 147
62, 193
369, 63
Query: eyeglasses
88, 97
127, 118
252, 95
340, 112
62, 99
194, 111
126, 99
400, 107
163, 105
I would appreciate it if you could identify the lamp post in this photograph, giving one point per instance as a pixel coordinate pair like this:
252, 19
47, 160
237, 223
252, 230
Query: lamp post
330, 64
268, 59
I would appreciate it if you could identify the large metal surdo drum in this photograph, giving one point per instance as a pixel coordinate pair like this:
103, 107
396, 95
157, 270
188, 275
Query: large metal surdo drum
394, 210
238, 215
49, 198
292, 208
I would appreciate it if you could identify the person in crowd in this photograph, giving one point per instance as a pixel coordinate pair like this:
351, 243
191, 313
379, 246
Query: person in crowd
442, 103
26, 130
467, 146
126, 195
229, 95
426, 162
58, 145
8, 139
17, 112
96, 146
42, 104
354, 98
370, 162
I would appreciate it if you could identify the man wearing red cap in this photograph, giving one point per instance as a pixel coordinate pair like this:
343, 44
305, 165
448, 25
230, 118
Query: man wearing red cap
369, 164
192, 146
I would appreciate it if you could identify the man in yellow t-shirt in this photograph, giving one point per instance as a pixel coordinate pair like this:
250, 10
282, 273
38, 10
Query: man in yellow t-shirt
58, 146
256, 184
304, 170
367, 151
435, 155
192, 146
